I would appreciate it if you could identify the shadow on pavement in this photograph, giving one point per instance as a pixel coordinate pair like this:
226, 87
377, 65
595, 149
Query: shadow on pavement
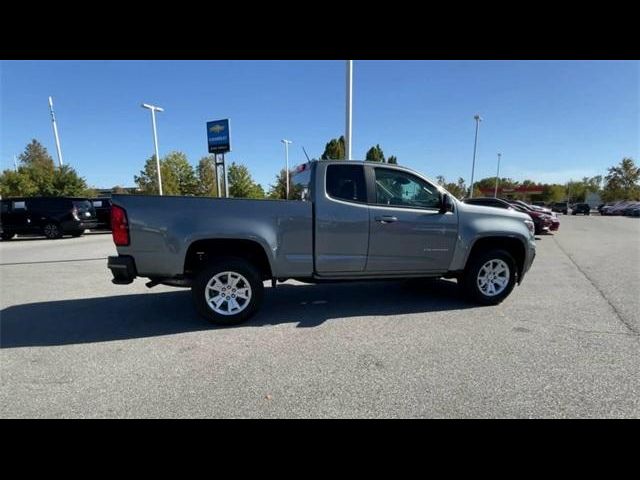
147, 314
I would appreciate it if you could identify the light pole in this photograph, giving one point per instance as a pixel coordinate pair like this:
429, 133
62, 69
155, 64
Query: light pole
286, 157
475, 144
153, 109
495, 195
347, 137
55, 131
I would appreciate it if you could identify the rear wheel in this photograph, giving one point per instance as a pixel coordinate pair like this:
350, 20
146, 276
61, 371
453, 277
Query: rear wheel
490, 277
52, 230
228, 292
7, 236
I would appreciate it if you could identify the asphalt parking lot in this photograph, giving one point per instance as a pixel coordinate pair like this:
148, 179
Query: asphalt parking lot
566, 343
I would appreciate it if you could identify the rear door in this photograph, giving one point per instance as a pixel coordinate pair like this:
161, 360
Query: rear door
407, 231
341, 219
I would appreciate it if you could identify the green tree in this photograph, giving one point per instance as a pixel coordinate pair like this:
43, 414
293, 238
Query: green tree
38, 166
622, 181
278, 191
334, 150
375, 154
67, 183
178, 176
207, 178
37, 176
241, 184
393, 160
17, 184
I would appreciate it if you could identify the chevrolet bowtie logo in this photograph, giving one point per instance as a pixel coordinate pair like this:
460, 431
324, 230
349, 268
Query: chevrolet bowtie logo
216, 128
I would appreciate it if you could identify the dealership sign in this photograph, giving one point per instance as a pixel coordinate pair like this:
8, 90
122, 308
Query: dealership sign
219, 136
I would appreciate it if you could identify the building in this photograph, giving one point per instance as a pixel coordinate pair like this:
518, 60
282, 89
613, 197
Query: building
522, 192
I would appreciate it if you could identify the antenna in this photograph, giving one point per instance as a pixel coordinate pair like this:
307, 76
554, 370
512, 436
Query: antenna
305, 154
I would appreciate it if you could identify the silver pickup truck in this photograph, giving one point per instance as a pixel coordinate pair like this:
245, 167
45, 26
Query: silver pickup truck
345, 220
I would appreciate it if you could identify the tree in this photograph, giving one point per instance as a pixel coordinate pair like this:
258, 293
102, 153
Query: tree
67, 183
622, 182
178, 176
375, 154
37, 176
393, 160
16, 184
334, 150
241, 184
278, 191
207, 178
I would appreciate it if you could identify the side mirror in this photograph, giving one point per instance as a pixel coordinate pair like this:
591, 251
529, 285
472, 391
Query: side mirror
446, 204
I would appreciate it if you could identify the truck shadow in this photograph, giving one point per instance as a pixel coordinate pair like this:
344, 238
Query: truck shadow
125, 317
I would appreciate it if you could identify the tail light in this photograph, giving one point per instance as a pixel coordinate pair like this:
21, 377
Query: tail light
119, 226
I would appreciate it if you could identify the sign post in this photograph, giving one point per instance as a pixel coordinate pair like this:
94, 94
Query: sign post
219, 141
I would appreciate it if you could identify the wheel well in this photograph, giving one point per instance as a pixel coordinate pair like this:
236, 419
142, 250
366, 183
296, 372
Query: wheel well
510, 244
201, 252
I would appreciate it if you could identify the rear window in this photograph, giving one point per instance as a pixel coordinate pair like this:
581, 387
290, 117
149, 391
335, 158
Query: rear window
21, 205
97, 203
300, 180
82, 205
346, 182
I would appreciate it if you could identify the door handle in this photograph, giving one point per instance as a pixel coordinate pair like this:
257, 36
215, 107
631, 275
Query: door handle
386, 219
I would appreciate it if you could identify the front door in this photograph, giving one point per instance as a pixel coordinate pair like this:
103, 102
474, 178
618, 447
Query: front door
407, 231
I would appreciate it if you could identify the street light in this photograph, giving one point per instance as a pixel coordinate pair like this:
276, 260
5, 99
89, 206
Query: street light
55, 132
475, 144
286, 156
349, 102
153, 109
495, 195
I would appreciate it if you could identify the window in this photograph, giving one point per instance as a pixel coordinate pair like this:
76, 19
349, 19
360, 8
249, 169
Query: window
19, 205
4, 207
97, 203
399, 188
300, 180
346, 182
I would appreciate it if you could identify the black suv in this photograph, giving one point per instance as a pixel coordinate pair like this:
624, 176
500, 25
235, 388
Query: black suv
103, 211
560, 207
581, 208
52, 217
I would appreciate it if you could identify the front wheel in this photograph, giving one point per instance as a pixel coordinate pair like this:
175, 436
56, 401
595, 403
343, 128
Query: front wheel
228, 292
490, 277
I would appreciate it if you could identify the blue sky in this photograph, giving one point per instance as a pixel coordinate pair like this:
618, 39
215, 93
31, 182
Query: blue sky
552, 120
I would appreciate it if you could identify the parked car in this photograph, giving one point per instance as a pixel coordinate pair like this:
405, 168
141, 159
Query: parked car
538, 203
52, 217
543, 222
628, 209
346, 221
560, 207
103, 212
614, 208
583, 208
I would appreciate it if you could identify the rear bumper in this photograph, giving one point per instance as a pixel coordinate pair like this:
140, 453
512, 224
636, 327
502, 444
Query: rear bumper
123, 269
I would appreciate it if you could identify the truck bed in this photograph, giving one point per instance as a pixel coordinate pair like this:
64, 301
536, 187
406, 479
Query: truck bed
162, 229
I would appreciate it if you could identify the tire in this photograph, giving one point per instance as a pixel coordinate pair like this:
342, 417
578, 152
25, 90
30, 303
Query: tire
52, 231
244, 274
77, 233
7, 236
470, 281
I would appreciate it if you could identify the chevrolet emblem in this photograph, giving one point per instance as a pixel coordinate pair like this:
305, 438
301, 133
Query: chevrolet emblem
216, 128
